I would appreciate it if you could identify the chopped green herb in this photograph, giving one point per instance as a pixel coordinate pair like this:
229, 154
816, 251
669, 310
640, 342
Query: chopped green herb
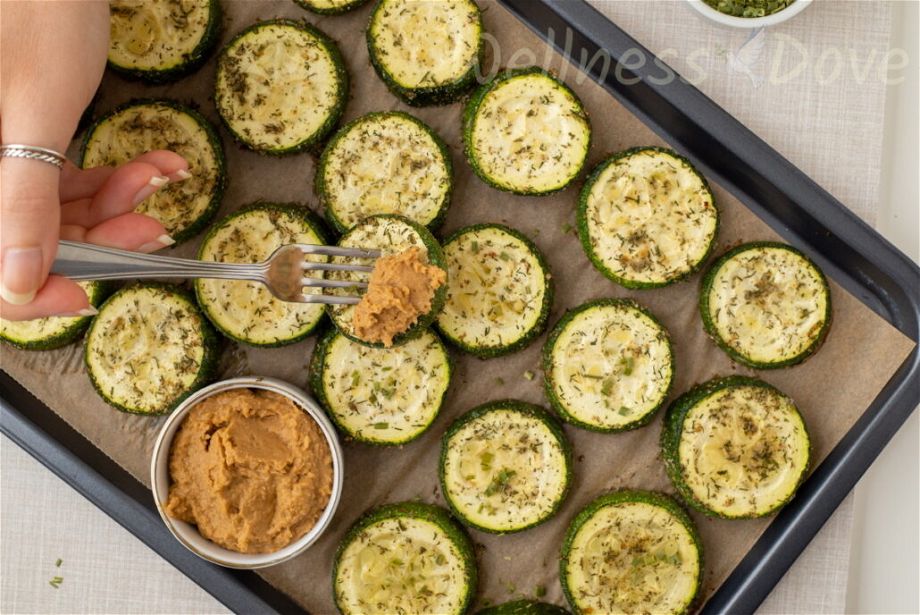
528, 375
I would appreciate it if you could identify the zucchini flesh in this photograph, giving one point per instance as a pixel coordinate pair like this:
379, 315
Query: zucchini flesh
647, 218
161, 40
184, 207
736, 447
330, 7
500, 291
281, 86
426, 52
390, 234
505, 467
381, 395
385, 163
52, 332
149, 348
608, 365
526, 132
631, 552
246, 311
766, 304
404, 558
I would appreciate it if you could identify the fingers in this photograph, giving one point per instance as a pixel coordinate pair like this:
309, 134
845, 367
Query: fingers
58, 297
79, 183
125, 188
130, 231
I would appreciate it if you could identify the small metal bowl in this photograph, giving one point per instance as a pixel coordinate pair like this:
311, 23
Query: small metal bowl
749, 22
188, 534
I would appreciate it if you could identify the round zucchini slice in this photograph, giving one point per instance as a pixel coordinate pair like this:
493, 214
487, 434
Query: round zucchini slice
162, 40
281, 86
386, 396
427, 53
646, 218
390, 234
149, 348
246, 311
766, 304
505, 467
526, 132
631, 552
52, 332
608, 365
499, 292
735, 447
385, 163
523, 607
409, 557
330, 7
183, 207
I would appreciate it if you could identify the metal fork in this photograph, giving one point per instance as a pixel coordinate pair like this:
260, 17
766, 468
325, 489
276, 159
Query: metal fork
284, 273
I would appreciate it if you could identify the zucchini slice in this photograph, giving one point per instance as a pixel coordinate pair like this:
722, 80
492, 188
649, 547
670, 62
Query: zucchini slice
246, 311
499, 293
631, 552
505, 467
330, 7
523, 607
427, 53
162, 40
149, 348
526, 132
390, 234
766, 304
137, 127
409, 557
385, 396
646, 218
281, 86
53, 332
735, 447
385, 163
608, 365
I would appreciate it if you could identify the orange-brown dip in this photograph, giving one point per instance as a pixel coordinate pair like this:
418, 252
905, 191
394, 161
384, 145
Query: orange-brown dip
251, 469
401, 289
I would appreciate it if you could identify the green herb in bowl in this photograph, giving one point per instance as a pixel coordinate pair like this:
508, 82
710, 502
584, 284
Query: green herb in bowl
749, 8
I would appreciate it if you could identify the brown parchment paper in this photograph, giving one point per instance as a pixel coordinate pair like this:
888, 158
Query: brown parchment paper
832, 389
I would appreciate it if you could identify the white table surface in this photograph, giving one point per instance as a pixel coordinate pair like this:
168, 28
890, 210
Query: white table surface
107, 570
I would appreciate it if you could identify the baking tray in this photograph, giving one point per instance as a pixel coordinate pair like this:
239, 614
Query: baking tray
794, 206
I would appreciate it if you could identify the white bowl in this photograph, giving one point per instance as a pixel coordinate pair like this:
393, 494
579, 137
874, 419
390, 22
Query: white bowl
749, 22
186, 533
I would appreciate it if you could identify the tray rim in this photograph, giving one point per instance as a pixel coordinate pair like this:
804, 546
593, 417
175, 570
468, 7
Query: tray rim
883, 281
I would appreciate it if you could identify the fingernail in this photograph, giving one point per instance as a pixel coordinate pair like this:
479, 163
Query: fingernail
90, 311
22, 274
163, 241
156, 182
180, 175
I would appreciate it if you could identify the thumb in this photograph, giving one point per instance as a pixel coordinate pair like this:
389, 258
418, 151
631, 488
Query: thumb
30, 213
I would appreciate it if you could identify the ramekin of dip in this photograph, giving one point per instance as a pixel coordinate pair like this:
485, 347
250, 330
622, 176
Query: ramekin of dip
749, 13
247, 472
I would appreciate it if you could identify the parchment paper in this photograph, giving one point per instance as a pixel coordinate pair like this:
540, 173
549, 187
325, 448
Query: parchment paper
832, 389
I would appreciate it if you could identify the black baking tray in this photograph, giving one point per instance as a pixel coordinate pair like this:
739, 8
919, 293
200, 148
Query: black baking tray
802, 212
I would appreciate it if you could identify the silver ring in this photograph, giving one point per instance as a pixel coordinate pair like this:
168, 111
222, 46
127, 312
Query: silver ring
33, 152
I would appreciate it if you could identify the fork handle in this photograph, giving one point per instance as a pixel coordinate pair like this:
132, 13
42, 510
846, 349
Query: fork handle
83, 261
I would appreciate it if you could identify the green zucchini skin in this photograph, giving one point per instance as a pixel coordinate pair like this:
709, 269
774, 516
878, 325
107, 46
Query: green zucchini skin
582, 226
299, 212
339, 10
490, 352
651, 498
470, 112
558, 329
673, 428
426, 512
520, 407
216, 146
443, 94
523, 607
62, 335
734, 354
342, 90
435, 257
324, 163
190, 63
317, 370
209, 341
